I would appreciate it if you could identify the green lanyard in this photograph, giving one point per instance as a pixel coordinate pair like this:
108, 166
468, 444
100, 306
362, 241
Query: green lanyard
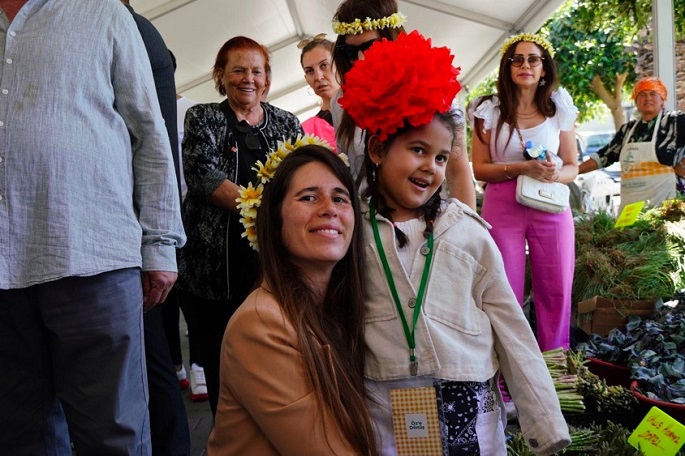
409, 334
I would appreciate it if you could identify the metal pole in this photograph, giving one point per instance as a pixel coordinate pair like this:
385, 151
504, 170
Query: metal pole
664, 48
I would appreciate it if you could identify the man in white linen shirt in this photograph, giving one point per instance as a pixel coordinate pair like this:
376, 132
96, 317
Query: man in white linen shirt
89, 225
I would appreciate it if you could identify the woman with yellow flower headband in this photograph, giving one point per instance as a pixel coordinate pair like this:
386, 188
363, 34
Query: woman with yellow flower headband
650, 148
440, 314
359, 24
529, 113
292, 356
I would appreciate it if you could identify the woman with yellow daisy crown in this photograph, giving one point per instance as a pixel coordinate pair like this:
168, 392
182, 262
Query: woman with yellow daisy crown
359, 24
529, 109
292, 356
439, 311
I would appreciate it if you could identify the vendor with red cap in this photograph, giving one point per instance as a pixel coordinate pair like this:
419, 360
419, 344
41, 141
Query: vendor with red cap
650, 148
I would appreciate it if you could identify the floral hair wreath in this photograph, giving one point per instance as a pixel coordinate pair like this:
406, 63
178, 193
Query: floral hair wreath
406, 80
251, 197
530, 37
358, 26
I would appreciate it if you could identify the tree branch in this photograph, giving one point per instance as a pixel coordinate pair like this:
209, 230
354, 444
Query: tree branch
612, 101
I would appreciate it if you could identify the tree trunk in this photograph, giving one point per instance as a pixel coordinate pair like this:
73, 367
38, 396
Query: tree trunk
612, 100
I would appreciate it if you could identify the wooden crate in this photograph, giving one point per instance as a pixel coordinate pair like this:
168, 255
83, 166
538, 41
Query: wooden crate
600, 315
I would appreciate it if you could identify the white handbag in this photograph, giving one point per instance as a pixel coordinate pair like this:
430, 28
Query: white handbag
545, 196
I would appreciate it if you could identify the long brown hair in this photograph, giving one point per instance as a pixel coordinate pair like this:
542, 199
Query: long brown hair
508, 94
339, 322
428, 211
349, 11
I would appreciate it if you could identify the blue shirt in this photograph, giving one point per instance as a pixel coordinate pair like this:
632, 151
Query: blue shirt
86, 176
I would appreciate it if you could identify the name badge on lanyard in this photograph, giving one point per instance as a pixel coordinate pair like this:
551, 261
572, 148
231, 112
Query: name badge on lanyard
415, 421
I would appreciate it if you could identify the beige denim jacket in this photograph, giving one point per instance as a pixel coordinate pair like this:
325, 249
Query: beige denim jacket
470, 324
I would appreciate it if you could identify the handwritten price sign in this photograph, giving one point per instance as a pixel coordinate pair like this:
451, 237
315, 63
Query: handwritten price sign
658, 434
629, 214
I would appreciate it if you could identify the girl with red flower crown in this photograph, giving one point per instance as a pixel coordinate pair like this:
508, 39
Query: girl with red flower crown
440, 315
359, 24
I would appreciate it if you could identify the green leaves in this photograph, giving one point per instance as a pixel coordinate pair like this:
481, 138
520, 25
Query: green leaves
654, 349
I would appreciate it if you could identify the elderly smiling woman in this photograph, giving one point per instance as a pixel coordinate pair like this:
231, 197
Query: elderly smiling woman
222, 143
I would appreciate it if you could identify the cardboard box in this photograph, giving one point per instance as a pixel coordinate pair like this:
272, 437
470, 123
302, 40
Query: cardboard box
600, 315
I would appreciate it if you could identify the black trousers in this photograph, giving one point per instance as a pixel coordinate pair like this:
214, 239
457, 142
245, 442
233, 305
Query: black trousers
170, 311
212, 317
169, 430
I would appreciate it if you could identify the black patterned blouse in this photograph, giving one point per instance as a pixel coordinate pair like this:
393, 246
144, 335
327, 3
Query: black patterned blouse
211, 154
670, 140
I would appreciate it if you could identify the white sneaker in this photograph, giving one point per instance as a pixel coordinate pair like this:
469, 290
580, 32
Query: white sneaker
198, 385
182, 378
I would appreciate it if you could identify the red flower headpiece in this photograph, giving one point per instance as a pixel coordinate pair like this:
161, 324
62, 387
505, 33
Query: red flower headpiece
406, 80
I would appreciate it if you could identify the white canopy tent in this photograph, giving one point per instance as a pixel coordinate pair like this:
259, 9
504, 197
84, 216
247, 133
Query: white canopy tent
195, 29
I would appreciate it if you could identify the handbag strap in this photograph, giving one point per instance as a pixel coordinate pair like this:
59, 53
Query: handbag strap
523, 144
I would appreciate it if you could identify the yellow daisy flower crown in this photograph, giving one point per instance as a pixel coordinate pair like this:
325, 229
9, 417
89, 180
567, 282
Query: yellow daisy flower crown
358, 26
530, 37
251, 197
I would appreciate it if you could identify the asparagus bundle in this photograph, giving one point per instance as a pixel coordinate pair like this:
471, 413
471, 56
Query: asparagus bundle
606, 398
597, 440
565, 382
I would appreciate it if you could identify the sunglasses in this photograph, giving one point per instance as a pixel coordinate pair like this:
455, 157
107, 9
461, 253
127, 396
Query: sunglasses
533, 60
351, 52
251, 139
305, 42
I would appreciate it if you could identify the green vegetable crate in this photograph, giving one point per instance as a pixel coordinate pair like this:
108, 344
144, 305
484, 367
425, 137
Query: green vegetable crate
600, 315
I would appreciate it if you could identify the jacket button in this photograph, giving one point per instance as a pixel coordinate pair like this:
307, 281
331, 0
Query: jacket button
425, 250
533, 443
412, 303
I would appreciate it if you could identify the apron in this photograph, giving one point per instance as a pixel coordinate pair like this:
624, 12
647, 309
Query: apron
642, 176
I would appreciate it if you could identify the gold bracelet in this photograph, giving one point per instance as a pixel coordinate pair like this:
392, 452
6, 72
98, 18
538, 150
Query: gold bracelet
506, 173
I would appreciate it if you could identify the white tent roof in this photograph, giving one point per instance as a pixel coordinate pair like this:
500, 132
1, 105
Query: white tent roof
195, 30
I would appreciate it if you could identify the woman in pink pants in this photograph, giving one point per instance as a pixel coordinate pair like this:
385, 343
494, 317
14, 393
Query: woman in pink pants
528, 108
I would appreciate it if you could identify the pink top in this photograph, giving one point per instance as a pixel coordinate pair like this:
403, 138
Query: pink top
320, 127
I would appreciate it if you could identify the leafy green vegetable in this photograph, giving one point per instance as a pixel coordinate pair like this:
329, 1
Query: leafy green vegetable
643, 261
653, 349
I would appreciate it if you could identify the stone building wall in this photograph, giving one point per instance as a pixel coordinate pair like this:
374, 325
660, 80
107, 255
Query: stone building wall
645, 66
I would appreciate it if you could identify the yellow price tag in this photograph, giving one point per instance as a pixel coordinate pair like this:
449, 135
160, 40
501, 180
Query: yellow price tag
658, 434
629, 214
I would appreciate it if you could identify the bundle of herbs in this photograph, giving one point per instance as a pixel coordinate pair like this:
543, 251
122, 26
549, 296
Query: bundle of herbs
653, 349
643, 261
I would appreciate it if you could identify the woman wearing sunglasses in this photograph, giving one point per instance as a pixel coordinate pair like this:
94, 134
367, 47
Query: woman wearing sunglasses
528, 108
319, 72
359, 24
222, 143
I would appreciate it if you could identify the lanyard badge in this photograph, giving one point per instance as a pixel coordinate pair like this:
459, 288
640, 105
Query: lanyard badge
408, 333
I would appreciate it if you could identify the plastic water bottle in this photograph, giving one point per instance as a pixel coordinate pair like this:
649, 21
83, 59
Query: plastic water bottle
534, 150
